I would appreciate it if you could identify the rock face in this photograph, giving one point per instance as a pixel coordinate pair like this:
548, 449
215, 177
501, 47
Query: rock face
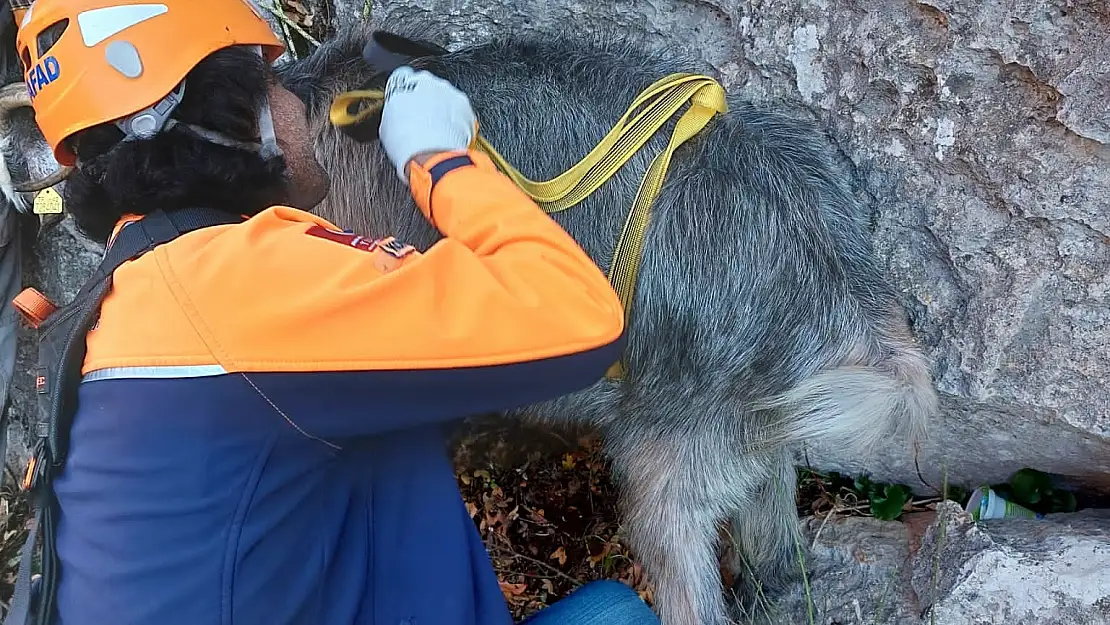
858, 571
944, 569
1054, 572
980, 135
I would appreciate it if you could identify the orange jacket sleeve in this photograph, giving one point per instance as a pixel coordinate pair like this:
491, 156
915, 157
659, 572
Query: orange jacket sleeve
505, 310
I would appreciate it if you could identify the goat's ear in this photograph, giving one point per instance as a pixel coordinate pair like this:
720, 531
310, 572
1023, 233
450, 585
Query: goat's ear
413, 47
384, 53
387, 51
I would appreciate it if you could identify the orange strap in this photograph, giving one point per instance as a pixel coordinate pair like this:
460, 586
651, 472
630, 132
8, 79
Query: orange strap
34, 306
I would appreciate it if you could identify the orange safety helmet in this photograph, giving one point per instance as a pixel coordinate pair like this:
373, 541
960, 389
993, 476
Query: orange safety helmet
113, 58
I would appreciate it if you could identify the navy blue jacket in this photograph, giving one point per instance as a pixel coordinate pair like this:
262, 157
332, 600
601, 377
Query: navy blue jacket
260, 429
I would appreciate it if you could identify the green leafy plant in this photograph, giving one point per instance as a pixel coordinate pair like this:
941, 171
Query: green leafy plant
887, 504
887, 500
1033, 489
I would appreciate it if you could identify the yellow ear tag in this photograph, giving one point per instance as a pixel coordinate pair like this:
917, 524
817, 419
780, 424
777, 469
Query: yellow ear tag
48, 202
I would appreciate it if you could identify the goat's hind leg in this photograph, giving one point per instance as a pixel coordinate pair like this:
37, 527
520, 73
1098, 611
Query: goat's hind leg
676, 490
767, 552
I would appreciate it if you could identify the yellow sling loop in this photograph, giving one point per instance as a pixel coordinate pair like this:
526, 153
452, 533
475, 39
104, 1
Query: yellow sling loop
647, 114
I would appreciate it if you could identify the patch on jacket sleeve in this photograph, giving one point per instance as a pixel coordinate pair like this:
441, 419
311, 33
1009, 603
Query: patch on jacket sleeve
388, 245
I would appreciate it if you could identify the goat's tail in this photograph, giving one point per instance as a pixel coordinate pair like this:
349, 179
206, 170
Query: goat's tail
860, 405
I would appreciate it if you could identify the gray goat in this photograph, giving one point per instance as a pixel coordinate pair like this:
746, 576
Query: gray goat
760, 320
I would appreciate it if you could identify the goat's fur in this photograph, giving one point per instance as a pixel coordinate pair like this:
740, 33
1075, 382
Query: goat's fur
761, 319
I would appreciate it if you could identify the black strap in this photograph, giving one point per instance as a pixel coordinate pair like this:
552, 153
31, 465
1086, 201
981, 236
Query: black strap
61, 354
134, 240
137, 238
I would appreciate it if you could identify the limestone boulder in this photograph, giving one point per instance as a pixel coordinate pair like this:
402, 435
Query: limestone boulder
945, 569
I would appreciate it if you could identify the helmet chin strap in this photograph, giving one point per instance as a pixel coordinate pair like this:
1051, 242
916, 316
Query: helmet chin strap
269, 148
157, 118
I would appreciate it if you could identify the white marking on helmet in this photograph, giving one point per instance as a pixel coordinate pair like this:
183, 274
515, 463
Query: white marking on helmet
99, 24
123, 56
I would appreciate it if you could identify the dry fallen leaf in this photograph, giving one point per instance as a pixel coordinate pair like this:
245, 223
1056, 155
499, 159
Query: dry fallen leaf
560, 555
512, 590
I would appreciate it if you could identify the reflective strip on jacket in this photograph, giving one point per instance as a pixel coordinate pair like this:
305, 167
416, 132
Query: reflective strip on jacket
259, 430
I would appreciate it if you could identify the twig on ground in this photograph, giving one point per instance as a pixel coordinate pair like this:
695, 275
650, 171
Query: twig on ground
540, 563
545, 523
505, 571
866, 505
824, 522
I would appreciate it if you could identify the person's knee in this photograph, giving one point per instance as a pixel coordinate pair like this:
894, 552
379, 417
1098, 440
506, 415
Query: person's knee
611, 589
627, 606
604, 602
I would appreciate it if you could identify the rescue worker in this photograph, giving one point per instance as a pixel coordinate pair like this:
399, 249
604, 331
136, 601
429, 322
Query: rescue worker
258, 434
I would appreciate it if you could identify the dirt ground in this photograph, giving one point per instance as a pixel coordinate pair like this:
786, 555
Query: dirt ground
547, 511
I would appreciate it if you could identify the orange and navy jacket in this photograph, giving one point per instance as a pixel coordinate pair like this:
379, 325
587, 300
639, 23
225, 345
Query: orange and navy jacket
259, 428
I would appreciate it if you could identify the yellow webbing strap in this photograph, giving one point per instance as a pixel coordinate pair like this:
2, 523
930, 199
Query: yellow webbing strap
365, 102
647, 114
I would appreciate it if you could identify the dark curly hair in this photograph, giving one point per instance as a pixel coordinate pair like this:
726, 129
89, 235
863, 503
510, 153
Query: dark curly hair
176, 168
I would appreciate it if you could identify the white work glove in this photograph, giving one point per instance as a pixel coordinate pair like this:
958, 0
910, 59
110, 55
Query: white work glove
423, 113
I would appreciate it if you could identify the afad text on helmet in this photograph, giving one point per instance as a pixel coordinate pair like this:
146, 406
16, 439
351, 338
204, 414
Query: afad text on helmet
43, 73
